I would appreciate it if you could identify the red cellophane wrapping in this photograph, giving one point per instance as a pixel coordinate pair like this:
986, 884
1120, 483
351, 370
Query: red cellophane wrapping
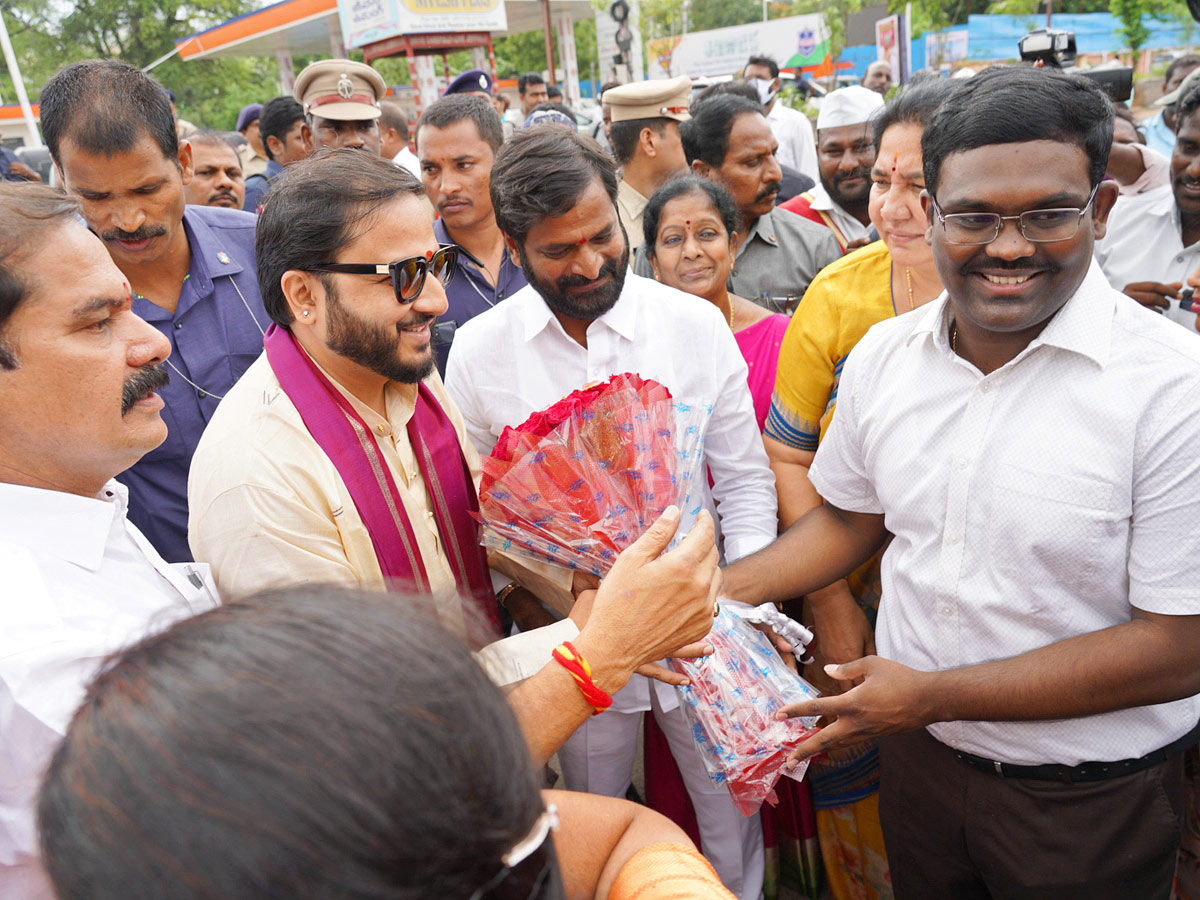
578, 482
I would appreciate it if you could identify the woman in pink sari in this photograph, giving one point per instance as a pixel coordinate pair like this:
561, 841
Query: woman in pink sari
690, 239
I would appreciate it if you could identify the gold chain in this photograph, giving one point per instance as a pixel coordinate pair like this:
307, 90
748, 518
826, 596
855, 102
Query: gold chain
954, 336
908, 280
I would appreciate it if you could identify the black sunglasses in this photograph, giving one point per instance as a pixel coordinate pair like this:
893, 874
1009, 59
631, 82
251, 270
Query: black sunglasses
408, 275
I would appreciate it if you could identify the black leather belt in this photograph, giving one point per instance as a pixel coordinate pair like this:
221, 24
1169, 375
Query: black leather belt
1088, 771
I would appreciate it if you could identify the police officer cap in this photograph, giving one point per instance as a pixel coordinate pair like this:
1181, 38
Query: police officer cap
657, 99
340, 89
474, 81
249, 114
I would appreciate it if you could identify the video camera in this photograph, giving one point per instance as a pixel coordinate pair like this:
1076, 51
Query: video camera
1056, 48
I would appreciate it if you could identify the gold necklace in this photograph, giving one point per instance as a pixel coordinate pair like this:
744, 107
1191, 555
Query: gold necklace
729, 300
954, 337
908, 281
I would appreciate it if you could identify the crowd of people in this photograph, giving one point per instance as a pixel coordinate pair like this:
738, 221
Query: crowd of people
253, 647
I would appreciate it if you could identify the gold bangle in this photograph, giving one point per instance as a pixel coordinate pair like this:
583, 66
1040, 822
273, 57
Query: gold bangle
502, 596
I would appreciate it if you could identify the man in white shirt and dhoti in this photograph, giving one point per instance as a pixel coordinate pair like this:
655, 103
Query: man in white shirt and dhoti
585, 317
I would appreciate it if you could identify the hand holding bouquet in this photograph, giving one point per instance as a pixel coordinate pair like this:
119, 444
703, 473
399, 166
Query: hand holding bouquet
576, 484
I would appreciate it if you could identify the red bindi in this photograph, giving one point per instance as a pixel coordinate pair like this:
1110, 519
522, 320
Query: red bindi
428, 254
581, 242
687, 221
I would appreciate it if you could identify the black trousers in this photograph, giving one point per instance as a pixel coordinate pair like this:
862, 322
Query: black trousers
956, 833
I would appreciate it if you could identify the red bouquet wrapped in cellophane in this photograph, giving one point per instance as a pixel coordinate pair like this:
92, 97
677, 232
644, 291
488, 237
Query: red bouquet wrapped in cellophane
578, 482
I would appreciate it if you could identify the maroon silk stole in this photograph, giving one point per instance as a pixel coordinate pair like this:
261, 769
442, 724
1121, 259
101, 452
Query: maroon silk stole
347, 441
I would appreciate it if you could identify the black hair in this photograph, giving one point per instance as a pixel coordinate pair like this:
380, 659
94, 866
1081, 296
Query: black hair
706, 135
325, 202
608, 86
210, 138
553, 91
1190, 60
306, 743
736, 88
555, 106
276, 120
771, 65
27, 210
679, 187
527, 79
1187, 104
392, 116
1121, 111
624, 135
105, 106
455, 108
913, 105
994, 107
542, 172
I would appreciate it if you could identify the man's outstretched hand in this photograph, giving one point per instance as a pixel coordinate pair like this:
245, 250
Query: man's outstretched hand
652, 604
891, 699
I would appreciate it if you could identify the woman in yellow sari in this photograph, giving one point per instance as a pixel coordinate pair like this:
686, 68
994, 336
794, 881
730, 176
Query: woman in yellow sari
890, 277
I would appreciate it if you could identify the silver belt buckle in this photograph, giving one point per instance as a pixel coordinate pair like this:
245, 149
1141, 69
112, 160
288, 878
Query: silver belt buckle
999, 767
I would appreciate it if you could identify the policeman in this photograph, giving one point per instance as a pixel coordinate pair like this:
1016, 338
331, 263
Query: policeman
191, 269
341, 100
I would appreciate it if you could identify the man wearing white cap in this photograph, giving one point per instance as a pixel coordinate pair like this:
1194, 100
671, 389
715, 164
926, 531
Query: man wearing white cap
646, 143
341, 100
845, 154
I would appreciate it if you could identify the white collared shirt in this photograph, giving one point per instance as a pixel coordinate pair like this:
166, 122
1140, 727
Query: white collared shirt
79, 583
797, 144
853, 229
1144, 242
1044, 500
516, 358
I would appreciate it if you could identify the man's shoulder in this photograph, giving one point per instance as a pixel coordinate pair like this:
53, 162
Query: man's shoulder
792, 229
1147, 335
223, 220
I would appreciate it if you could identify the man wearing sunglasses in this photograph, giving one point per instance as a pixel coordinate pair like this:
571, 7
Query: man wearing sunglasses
1029, 442
339, 458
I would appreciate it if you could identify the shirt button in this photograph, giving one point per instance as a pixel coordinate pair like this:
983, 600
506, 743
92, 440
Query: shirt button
986, 386
952, 539
429, 514
963, 463
178, 325
201, 394
947, 611
381, 428
1179, 258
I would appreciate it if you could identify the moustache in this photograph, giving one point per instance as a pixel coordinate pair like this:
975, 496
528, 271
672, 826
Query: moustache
224, 195
1012, 265
141, 384
415, 321
609, 267
863, 173
133, 237
449, 200
769, 192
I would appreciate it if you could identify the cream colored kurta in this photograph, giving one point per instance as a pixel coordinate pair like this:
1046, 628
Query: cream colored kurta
268, 508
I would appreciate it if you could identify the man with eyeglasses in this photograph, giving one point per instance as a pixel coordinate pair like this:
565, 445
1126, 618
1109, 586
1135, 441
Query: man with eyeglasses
339, 458
1027, 440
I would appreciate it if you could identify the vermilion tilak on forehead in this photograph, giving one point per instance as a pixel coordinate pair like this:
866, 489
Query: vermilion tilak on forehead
428, 254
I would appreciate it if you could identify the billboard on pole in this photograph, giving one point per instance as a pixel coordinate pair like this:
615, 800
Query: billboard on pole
795, 42
366, 21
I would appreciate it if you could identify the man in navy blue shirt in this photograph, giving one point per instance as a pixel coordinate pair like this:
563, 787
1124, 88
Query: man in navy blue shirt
457, 139
287, 140
191, 268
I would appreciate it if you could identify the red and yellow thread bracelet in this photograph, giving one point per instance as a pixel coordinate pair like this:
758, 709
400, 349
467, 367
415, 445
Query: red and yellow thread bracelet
572, 660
